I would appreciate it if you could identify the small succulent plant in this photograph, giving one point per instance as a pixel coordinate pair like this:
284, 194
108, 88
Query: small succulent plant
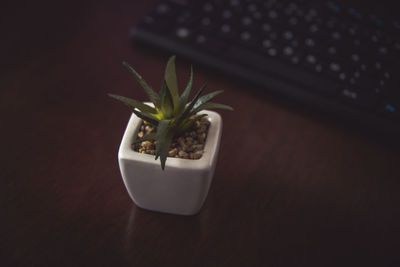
172, 113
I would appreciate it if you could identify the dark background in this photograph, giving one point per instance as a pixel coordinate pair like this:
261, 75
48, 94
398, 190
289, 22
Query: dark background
291, 187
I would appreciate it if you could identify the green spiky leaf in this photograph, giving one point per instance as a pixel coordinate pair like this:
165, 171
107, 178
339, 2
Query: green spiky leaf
153, 96
132, 103
188, 108
166, 102
206, 98
164, 139
172, 82
211, 105
185, 95
147, 117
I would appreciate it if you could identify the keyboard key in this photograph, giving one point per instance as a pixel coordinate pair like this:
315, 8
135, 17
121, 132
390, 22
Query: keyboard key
227, 14
272, 52
163, 9
314, 28
288, 51
205, 21
336, 36
355, 57
182, 32
311, 59
334, 67
293, 21
245, 36
208, 7
288, 35
252, 8
310, 42
295, 60
390, 110
226, 28
247, 21
332, 50
266, 27
267, 43
272, 14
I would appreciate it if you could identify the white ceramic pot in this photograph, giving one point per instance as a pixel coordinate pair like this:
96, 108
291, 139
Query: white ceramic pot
183, 186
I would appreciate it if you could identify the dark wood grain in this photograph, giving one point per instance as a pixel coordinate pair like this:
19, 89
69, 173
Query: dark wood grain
290, 189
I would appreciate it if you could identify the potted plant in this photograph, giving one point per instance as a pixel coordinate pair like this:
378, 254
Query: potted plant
174, 128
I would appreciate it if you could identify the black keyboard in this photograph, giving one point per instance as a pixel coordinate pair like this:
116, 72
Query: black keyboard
328, 56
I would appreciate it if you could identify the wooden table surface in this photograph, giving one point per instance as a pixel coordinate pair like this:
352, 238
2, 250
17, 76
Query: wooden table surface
291, 188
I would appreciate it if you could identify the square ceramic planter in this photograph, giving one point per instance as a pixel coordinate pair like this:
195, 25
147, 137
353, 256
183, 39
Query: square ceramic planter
183, 186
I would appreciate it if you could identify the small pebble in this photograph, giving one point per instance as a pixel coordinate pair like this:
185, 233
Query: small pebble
146, 144
148, 129
183, 154
193, 134
202, 138
173, 152
189, 141
198, 147
196, 155
181, 141
185, 148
